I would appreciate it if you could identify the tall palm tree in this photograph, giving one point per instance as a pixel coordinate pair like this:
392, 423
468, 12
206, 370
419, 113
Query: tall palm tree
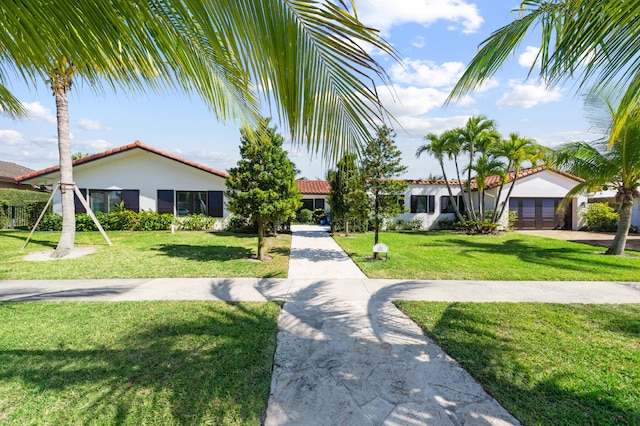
438, 147
308, 59
485, 166
516, 150
595, 41
599, 164
478, 133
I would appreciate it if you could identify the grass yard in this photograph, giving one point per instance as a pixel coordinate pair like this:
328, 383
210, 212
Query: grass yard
136, 362
547, 364
446, 255
146, 255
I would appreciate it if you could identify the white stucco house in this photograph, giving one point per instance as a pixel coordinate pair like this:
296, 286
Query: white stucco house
144, 178
535, 198
315, 194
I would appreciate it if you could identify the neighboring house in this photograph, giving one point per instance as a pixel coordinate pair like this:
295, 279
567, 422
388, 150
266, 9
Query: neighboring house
609, 196
535, 198
143, 178
8, 174
314, 194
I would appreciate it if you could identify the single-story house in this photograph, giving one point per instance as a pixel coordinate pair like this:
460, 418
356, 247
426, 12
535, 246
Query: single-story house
143, 178
315, 194
535, 198
9, 172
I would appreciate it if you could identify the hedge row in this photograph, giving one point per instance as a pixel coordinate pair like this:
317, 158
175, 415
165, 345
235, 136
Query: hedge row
125, 220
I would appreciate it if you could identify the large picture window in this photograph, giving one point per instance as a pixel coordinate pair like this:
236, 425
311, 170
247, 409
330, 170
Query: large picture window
108, 200
423, 203
191, 202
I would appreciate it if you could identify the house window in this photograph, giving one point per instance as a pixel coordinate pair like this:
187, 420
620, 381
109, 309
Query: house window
447, 207
307, 203
319, 203
103, 200
191, 202
423, 203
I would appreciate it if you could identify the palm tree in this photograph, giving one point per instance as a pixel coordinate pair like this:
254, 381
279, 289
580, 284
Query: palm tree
439, 146
310, 59
599, 164
595, 41
478, 133
516, 150
484, 167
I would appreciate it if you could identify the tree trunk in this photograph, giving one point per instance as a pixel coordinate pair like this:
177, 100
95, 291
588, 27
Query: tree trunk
376, 225
260, 236
620, 240
68, 235
451, 200
346, 225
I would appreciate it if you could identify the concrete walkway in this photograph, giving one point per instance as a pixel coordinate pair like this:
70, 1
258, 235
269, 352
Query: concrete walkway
345, 354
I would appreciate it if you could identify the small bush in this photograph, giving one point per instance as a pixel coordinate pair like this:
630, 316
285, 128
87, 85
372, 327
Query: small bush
319, 215
414, 224
239, 224
305, 216
445, 223
478, 227
149, 220
600, 217
198, 222
51, 222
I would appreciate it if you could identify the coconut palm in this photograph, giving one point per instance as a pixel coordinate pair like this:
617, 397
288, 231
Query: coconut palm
600, 164
595, 41
307, 59
516, 150
438, 147
485, 166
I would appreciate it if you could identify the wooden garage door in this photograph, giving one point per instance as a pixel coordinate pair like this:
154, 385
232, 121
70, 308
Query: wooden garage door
539, 213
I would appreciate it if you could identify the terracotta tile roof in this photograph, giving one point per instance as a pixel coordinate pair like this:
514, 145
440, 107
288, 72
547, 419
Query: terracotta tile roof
136, 144
494, 180
9, 171
319, 187
430, 182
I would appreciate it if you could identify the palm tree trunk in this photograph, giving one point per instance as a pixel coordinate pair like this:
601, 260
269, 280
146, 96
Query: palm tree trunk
376, 221
464, 199
496, 216
346, 225
506, 200
451, 200
620, 241
68, 235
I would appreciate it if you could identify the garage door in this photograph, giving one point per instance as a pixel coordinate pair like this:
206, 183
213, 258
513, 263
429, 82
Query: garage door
540, 213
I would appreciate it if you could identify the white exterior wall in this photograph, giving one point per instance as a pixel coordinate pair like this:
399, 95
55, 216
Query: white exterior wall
144, 171
429, 220
544, 184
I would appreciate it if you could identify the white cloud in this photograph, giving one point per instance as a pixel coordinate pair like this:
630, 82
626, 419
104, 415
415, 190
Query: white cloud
92, 146
11, 138
411, 100
418, 42
528, 95
36, 111
88, 124
385, 14
426, 73
528, 58
554, 139
45, 141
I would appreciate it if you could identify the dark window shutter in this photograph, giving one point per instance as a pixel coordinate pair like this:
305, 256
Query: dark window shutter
414, 203
214, 203
78, 204
131, 198
319, 203
165, 201
431, 206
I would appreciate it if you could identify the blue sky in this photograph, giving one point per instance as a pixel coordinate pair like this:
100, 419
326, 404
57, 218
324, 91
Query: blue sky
435, 39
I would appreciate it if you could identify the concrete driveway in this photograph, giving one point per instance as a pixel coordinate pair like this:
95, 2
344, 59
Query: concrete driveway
594, 238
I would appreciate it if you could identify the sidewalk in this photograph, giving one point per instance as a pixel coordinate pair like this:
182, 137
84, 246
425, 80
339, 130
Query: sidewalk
345, 355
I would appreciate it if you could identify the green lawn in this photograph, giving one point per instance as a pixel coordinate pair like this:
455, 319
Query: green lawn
136, 362
446, 255
146, 255
547, 364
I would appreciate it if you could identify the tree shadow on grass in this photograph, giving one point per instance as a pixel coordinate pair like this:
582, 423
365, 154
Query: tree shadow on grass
492, 360
203, 253
33, 241
562, 258
213, 368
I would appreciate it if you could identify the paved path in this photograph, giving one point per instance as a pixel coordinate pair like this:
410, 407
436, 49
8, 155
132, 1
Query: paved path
345, 355
314, 254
